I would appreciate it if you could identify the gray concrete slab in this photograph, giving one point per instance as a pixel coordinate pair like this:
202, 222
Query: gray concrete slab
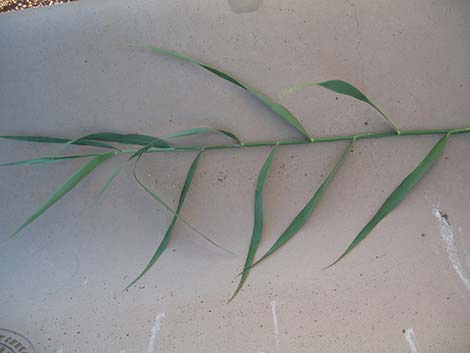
76, 69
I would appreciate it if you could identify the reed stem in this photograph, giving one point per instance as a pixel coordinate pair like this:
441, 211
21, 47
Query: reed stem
362, 136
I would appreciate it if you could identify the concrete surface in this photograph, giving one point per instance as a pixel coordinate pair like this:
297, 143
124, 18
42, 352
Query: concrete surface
74, 69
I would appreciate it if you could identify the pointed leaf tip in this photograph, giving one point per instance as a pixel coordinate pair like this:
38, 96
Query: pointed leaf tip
275, 107
343, 87
203, 130
60, 192
302, 217
346, 88
166, 238
258, 220
398, 194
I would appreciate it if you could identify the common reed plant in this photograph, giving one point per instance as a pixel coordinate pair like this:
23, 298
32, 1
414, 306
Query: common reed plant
112, 144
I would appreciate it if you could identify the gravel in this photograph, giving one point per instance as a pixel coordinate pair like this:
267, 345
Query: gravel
12, 5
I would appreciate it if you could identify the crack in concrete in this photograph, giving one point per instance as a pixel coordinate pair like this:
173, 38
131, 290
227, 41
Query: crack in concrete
359, 34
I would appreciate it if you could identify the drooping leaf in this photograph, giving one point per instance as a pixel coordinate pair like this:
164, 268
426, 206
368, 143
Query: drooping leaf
258, 220
348, 89
399, 193
164, 243
302, 217
47, 139
342, 87
180, 217
277, 108
69, 184
202, 130
51, 159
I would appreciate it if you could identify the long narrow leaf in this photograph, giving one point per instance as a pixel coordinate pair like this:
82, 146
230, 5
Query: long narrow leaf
399, 193
66, 187
110, 180
306, 212
180, 217
164, 243
47, 139
125, 139
277, 108
258, 220
202, 130
52, 159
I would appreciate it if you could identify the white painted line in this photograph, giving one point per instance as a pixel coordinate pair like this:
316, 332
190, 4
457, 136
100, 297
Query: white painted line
447, 235
275, 323
152, 347
409, 334
59, 350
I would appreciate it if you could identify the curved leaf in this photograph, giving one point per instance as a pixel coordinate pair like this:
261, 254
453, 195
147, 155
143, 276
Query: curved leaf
258, 220
343, 87
66, 187
277, 108
302, 217
399, 193
164, 243
348, 89
202, 130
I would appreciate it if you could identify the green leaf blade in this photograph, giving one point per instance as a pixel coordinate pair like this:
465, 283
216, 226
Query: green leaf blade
173, 212
68, 185
110, 180
343, 87
166, 238
126, 139
203, 130
50, 159
155, 143
258, 221
276, 108
398, 194
302, 217
48, 139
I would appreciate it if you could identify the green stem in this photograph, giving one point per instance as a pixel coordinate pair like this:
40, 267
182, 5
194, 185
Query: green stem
362, 136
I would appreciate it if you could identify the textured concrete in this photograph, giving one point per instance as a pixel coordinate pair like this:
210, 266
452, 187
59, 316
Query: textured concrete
77, 68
